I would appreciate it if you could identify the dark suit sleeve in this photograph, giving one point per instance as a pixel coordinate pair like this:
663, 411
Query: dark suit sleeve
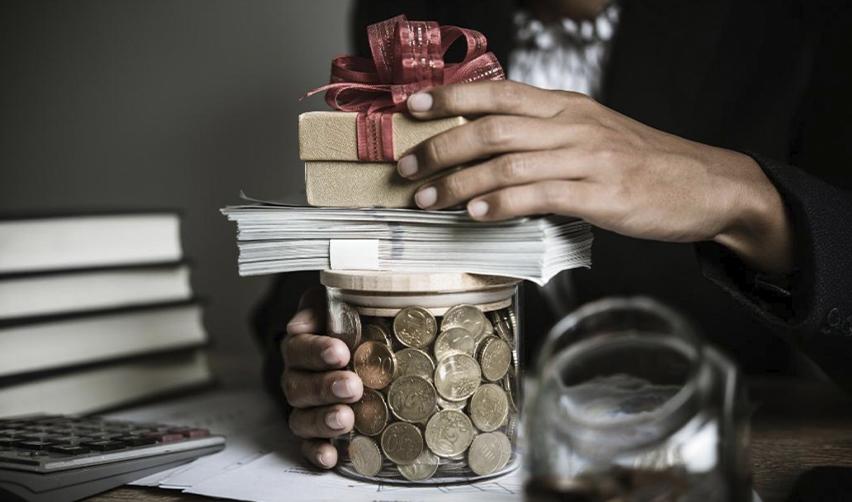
816, 316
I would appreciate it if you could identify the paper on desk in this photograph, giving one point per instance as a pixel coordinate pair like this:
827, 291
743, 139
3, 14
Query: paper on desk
279, 477
250, 421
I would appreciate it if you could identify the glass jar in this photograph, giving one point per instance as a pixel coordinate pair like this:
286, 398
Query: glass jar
438, 354
629, 404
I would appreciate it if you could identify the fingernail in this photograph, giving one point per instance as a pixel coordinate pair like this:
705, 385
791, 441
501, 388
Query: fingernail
407, 165
477, 208
426, 197
334, 420
343, 388
302, 318
331, 356
420, 102
324, 459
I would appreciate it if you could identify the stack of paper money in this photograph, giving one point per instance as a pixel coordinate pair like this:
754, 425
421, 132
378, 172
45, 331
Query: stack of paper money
281, 238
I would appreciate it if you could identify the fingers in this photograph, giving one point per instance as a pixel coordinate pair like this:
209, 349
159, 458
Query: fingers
553, 196
500, 172
322, 421
482, 138
314, 352
487, 97
320, 453
304, 388
310, 317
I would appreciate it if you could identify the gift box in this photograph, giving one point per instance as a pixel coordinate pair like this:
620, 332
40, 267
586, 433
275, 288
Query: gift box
331, 136
350, 154
334, 176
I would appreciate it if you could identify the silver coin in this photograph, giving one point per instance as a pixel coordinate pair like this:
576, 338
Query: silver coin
489, 452
344, 323
454, 341
457, 377
423, 468
365, 456
449, 433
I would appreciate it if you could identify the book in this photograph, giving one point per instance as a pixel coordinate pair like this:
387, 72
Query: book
106, 386
62, 341
94, 240
275, 238
27, 295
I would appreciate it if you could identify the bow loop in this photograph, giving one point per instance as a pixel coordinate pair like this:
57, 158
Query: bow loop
407, 57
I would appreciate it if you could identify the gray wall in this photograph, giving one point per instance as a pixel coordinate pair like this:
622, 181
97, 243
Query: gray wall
150, 104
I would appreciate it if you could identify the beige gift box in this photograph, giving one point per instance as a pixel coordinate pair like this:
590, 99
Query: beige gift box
335, 177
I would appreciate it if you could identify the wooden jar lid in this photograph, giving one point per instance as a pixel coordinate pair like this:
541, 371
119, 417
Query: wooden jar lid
412, 282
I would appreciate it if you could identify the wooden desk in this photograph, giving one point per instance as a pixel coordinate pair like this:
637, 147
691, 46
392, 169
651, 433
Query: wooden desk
796, 426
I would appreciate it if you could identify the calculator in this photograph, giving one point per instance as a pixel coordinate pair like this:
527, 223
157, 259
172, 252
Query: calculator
60, 458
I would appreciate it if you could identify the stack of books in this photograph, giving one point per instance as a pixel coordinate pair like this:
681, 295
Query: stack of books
96, 311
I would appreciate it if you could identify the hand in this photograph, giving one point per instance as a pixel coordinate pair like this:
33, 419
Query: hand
534, 151
314, 383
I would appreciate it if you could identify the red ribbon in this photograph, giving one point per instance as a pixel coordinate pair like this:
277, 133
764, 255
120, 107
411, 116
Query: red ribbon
408, 56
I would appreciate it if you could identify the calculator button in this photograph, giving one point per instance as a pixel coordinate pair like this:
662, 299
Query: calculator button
105, 445
68, 449
165, 437
32, 445
137, 440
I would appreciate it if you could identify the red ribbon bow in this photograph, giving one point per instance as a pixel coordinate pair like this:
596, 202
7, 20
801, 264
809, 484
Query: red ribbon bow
408, 56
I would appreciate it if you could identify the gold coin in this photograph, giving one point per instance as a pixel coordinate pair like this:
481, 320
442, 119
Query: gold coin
468, 317
449, 433
446, 404
454, 341
344, 323
489, 407
415, 327
375, 333
365, 456
412, 398
402, 443
495, 358
371, 413
423, 468
457, 377
375, 364
489, 452
414, 362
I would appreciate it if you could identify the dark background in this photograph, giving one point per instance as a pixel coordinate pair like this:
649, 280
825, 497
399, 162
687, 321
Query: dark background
159, 104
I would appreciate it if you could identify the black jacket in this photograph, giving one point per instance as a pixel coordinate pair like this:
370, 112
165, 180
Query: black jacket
768, 77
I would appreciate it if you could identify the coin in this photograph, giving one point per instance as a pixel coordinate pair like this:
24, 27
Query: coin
414, 362
365, 456
415, 327
489, 407
468, 317
446, 404
344, 323
402, 443
375, 333
495, 358
501, 326
457, 377
510, 386
489, 452
423, 468
371, 413
454, 341
375, 364
412, 398
449, 433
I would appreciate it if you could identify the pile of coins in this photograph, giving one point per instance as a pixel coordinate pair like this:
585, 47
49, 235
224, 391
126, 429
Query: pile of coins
439, 393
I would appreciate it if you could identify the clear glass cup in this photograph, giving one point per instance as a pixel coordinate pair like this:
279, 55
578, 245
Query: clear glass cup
630, 404
439, 358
